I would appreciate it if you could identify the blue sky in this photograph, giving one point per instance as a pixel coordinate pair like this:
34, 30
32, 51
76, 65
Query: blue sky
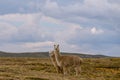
82, 26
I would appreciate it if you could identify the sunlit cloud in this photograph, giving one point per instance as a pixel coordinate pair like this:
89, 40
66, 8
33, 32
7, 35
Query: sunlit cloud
96, 31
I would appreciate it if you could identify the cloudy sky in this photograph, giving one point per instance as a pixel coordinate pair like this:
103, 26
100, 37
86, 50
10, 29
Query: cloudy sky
82, 26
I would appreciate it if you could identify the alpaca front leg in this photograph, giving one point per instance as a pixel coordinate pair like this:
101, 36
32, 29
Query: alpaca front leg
65, 71
57, 69
77, 70
61, 70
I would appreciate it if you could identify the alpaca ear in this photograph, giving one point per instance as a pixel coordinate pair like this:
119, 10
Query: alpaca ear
54, 46
58, 46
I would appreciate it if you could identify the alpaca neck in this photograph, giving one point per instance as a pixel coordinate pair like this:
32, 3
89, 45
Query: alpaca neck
58, 57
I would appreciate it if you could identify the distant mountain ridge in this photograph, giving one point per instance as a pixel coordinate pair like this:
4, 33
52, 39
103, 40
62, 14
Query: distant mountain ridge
46, 54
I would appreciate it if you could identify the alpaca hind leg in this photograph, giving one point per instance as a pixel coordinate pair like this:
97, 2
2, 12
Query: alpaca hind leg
70, 70
77, 70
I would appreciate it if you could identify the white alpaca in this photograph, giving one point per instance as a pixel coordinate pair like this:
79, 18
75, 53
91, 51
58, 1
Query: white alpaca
52, 57
66, 62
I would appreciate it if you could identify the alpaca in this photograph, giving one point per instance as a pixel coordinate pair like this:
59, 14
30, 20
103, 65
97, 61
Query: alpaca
52, 57
67, 62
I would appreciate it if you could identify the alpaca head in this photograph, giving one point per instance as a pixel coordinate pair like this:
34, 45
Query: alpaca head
56, 48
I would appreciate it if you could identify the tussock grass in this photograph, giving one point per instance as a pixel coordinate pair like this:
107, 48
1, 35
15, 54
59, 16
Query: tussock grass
34, 78
42, 69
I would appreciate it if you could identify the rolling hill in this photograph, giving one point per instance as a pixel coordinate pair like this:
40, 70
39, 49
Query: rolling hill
46, 54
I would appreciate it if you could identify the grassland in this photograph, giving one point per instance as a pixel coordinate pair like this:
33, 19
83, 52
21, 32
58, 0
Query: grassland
42, 69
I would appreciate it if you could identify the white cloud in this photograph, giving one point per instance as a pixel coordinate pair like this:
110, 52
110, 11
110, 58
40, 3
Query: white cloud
31, 17
51, 8
7, 31
85, 13
34, 45
32, 34
96, 31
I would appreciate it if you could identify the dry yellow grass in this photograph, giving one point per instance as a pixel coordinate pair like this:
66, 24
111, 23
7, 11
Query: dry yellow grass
42, 69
